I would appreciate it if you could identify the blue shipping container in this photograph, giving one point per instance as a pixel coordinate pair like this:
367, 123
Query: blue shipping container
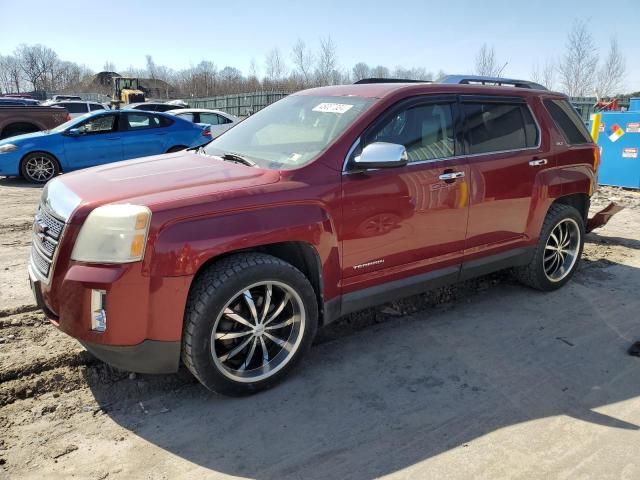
620, 155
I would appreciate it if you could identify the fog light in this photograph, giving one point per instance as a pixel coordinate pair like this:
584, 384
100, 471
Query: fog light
98, 310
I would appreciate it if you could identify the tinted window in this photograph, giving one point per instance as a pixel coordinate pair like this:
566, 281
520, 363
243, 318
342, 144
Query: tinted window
426, 131
75, 107
163, 108
99, 124
213, 119
496, 127
95, 106
568, 121
137, 121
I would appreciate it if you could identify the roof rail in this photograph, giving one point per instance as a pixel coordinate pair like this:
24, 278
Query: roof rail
503, 82
389, 80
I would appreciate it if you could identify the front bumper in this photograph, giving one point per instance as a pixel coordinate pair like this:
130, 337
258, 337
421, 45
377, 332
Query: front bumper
150, 356
144, 318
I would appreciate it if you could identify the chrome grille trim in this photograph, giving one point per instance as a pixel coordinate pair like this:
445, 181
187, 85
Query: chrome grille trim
47, 232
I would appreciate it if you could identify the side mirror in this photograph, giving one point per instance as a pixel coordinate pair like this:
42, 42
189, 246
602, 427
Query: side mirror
382, 155
74, 132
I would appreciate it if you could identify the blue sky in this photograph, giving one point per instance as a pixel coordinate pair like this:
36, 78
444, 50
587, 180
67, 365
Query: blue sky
434, 35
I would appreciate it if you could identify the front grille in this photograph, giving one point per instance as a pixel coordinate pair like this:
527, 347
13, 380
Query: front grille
47, 231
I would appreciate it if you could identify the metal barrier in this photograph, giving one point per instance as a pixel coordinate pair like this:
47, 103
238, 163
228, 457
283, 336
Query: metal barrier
240, 105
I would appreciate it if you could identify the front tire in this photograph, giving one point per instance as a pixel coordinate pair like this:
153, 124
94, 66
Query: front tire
39, 167
558, 251
249, 319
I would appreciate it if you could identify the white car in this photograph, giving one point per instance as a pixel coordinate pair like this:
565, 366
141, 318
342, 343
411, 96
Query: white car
78, 107
220, 121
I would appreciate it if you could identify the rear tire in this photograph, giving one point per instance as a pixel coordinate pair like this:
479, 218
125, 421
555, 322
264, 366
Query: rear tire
39, 167
249, 320
558, 251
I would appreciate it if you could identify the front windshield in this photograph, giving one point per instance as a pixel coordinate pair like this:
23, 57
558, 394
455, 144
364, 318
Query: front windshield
70, 123
291, 132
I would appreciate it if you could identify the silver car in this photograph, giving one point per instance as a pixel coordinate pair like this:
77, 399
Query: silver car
220, 121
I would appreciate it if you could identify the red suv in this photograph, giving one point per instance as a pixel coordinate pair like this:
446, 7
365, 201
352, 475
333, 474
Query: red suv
331, 200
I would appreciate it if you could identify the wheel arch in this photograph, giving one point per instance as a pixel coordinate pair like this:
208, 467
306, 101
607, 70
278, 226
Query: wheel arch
54, 156
300, 254
33, 127
579, 201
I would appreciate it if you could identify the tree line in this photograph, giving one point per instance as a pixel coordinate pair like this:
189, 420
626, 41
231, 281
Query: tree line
578, 72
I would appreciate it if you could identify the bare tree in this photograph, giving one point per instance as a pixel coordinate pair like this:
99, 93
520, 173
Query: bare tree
544, 75
577, 68
10, 74
610, 80
360, 70
487, 64
303, 60
109, 66
327, 61
151, 67
275, 66
380, 72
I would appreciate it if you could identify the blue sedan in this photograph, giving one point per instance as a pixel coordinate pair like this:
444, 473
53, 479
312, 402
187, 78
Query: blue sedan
97, 138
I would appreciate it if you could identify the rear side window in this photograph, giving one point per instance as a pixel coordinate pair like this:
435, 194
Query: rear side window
75, 107
497, 127
186, 116
139, 121
568, 121
95, 106
213, 119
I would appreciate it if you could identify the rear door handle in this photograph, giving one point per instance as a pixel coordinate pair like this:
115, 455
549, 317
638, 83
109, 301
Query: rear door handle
113, 138
451, 175
538, 163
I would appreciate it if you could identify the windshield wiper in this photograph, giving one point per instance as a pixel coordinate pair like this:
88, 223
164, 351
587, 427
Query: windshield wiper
232, 157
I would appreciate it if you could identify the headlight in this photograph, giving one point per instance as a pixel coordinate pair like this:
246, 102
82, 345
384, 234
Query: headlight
113, 234
8, 147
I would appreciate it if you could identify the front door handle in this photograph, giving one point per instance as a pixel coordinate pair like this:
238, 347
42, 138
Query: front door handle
451, 175
538, 163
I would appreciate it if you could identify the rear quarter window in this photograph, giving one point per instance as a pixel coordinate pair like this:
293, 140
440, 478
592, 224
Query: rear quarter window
568, 121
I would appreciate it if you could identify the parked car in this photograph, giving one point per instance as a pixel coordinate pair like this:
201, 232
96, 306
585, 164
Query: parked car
153, 106
328, 201
21, 119
17, 101
220, 121
94, 139
78, 107
59, 98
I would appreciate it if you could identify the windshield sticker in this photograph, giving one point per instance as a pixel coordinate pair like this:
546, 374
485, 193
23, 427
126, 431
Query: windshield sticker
333, 107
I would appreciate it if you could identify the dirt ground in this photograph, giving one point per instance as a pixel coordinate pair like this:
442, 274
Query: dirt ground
486, 379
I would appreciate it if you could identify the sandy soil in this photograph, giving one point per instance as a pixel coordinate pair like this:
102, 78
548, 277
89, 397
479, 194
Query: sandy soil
485, 379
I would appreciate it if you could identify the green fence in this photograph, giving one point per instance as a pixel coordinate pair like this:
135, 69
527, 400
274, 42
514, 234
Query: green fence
241, 105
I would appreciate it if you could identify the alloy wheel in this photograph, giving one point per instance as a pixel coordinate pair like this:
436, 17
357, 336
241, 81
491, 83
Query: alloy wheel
561, 250
40, 169
258, 331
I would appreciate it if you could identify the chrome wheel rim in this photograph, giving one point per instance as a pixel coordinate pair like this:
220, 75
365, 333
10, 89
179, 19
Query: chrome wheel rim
40, 169
258, 331
561, 250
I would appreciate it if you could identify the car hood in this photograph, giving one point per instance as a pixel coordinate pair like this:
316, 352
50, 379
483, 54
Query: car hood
157, 180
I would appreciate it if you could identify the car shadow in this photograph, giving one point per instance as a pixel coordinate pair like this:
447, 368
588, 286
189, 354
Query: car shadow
17, 182
382, 399
608, 240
